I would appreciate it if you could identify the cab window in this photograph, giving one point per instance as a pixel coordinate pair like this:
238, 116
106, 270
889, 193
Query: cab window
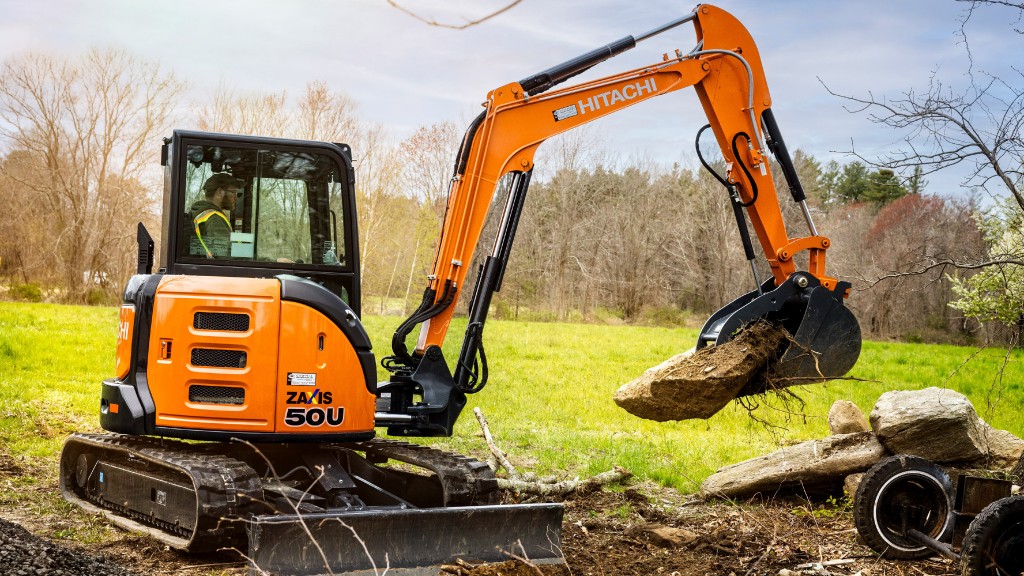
264, 205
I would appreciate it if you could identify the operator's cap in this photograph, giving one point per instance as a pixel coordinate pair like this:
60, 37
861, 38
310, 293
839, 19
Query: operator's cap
221, 181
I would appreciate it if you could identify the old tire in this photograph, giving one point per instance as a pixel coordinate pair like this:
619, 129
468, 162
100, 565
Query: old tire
898, 494
994, 543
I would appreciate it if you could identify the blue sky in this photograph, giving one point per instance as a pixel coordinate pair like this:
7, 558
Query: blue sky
404, 73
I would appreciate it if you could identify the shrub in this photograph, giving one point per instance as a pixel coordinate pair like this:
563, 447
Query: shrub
100, 297
27, 292
666, 316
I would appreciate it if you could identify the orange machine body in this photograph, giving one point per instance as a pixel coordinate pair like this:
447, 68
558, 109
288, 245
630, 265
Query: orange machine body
231, 356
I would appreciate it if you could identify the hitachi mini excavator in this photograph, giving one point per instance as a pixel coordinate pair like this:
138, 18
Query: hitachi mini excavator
257, 359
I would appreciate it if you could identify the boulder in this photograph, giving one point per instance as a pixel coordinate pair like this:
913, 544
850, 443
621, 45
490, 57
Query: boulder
934, 423
1003, 449
851, 483
809, 464
1017, 473
846, 418
699, 384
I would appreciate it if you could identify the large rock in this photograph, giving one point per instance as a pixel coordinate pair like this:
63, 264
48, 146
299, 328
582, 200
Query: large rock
851, 483
811, 464
846, 418
935, 423
697, 385
1003, 449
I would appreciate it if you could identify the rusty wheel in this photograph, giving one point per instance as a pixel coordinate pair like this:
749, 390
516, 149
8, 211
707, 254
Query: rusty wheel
899, 494
994, 544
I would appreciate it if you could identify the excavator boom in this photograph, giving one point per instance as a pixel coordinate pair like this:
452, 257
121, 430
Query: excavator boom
724, 69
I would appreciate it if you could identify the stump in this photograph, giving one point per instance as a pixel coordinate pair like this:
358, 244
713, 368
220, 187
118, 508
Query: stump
699, 384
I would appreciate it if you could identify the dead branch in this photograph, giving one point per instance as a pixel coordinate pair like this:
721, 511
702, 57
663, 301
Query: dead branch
523, 558
618, 474
940, 128
498, 454
530, 483
432, 22
949, 262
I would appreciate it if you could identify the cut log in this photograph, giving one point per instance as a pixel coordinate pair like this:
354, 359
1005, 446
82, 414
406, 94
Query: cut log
699, 384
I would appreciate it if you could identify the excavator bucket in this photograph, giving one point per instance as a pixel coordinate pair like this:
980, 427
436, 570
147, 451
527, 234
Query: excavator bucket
824, 340
403, 542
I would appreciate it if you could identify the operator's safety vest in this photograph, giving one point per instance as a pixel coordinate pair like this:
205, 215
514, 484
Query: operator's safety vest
203, 217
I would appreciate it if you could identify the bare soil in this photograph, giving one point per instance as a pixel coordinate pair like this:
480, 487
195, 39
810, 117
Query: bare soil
600, 537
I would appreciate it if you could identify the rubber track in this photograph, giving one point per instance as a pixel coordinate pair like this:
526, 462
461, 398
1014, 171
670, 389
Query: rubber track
224, 486
465, 481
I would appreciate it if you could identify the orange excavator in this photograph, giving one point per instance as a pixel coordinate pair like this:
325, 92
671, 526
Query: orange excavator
244, 406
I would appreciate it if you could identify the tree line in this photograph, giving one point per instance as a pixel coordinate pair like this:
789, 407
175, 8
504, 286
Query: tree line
600, 238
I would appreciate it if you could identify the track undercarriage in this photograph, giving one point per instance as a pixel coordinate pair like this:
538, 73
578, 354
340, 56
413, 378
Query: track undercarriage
306, 508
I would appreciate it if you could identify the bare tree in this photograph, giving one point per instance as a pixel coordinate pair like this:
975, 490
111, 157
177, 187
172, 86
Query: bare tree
82, 137
1004, 4
980, 127
328, 115
427, 159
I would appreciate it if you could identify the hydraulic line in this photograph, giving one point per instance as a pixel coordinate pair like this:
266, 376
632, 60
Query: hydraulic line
427, 310
750, 178
750, 86
737, 204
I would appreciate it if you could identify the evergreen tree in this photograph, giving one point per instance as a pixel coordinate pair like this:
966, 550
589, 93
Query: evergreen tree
883, 187
853, 182
917, 183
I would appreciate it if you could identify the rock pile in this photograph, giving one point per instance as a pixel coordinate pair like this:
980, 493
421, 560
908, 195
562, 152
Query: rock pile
938, 424
23, 554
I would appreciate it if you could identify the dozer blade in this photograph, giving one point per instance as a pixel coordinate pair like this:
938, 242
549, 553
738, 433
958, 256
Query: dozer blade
408, 542
825, 336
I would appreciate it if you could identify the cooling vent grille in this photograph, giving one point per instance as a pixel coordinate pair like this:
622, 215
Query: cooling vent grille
221, 321
218, 358
216, 394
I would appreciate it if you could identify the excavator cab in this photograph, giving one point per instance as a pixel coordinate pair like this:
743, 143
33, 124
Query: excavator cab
294, 212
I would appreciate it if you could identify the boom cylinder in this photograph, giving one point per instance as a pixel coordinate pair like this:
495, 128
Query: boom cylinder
555, 75
491, 275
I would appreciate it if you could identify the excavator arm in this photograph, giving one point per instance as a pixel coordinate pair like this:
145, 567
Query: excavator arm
725, 70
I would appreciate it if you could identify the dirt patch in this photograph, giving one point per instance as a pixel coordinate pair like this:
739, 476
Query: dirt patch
699, 384
600, 537
9, 466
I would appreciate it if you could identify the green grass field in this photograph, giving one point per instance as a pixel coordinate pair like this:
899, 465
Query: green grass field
549, 400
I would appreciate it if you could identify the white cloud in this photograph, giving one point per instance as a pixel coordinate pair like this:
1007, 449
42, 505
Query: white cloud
405, 73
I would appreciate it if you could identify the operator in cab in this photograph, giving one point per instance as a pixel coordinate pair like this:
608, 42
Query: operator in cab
212, 226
